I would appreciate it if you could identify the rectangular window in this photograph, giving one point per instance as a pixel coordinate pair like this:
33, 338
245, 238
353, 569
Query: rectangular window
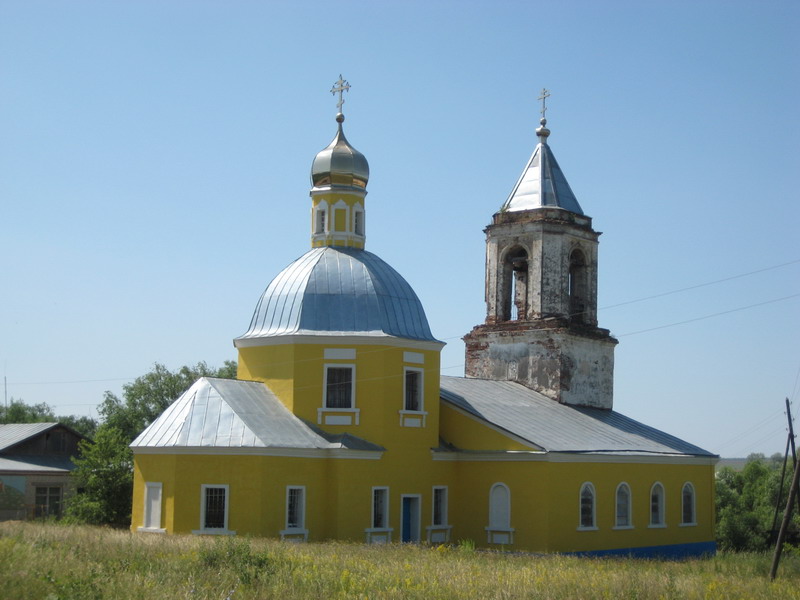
413, 390
380, 508
358, 219
48, 501
295, 507
152, 506
215, 507
439, 506
320, 221
339, 387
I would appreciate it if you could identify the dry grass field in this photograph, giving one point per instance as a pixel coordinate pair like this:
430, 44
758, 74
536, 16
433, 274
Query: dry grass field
55, 562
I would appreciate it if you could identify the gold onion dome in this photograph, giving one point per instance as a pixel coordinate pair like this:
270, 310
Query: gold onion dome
340, 164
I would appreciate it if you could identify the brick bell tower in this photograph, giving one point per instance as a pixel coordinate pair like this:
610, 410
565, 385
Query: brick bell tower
541, 292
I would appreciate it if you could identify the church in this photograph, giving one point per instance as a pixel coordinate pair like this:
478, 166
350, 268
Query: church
340, 425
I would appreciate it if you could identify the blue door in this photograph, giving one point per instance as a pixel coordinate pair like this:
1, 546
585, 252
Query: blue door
409, 519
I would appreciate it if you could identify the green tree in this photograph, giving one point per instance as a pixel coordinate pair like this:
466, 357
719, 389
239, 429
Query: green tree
104, 474
746, 503
105, 469
19, 412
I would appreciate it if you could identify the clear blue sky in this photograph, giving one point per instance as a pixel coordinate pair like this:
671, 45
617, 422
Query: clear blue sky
154, 176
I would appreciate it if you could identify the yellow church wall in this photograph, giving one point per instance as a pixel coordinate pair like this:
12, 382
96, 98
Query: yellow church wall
275, 363
341, 207
468, 433
296, 373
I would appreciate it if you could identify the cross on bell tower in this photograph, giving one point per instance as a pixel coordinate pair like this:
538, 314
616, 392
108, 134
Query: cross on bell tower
541, 291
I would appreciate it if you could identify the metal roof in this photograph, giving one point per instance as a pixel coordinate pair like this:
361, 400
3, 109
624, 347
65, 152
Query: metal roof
14, 433
229, 413
339, 291
340, 163
542, 182
29, 463
556, 427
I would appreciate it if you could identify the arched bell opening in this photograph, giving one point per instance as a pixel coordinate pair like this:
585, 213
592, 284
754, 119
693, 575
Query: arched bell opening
514, 290
578, 287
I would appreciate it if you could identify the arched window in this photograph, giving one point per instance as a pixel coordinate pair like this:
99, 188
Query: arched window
587, 507
623, 506
657, 505
514, 290
578, 287
499, 507
688, 516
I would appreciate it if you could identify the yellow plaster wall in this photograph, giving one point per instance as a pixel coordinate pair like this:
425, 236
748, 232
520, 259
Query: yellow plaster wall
468, 433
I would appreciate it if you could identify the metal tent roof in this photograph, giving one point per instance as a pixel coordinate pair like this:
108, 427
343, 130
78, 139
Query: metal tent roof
554, 427
229, 413
15, 433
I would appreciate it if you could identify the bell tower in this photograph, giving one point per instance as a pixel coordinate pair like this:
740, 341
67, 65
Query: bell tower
541, 292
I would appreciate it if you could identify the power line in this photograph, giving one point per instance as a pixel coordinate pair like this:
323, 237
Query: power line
717, 314
700, 285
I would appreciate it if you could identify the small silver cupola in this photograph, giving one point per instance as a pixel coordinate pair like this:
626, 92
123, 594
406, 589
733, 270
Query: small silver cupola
340, 164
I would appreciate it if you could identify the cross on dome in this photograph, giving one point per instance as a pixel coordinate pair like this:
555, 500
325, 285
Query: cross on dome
545, 95
340, 86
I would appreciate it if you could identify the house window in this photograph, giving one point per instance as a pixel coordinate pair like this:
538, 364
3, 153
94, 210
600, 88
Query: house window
688, 516
413, 390
587, 507
578, 287
152, 507
439, 506
295, 507
380, 508
214, 509
339, 387
623, 506
48, 501
657, 505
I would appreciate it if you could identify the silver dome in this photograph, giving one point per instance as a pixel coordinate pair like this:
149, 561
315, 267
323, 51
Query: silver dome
339, 291
340, 163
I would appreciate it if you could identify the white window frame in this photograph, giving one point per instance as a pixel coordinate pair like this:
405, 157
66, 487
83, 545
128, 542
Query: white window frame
333, 415
380, 533
147, 516
693, 505
439, 533
662, 510
628, 516
295, 532
414, 418
358, 214
214, 530
500, 533
593, 527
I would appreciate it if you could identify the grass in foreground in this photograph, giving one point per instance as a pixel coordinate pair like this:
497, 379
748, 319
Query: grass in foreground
55, 562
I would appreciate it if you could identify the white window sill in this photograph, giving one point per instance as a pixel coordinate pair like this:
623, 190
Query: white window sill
622, 527
379, 535
338, 416
594, 528
151, 530
657, 526
293, 534
439, 534
500, 535
688, 525
213, 532
412, 418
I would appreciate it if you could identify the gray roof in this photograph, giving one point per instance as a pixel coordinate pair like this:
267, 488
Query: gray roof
44, 464
14, 433
339, 291
542, 183
554, 427
229, 413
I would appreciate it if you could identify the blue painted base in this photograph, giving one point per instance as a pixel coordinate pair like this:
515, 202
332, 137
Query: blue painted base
673, 551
